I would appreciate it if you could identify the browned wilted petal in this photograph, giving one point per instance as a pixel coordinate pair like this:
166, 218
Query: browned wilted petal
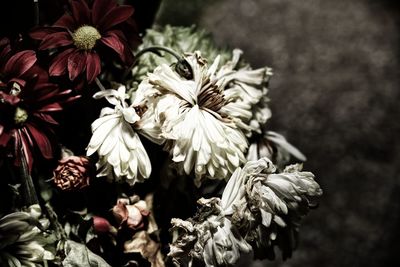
120, 212
132, 215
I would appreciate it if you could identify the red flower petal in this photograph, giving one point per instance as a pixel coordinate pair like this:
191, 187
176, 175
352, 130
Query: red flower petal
66, 21
50, 108
42, 32
80, 12
41, 141
76, 64
10, 99
45, 117
59, 65
113, 40
4, 138
20, 63
100, 7
115, 16
45, 92
93, 66
131, 31
6, 48
56, 40
21, 82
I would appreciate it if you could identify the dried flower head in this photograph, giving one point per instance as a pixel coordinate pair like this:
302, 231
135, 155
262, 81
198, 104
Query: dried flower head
263, 204
73, 173
208, 237
258, 210
130, 212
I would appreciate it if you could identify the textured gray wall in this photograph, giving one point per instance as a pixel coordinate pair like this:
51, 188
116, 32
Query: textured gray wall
335, 95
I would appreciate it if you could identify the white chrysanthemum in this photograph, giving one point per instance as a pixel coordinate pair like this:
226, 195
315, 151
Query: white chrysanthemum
121, 153
21, 240
198, 134
245, 94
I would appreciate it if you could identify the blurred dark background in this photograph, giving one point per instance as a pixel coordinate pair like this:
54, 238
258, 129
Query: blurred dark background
334, 94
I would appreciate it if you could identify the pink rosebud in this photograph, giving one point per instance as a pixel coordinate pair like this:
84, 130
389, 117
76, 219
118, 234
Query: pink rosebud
101, 225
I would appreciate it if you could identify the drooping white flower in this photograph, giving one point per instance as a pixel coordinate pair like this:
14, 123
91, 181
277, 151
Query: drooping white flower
259, 209
263, 204
275, 147
245, 93
198, 134
209, 237
121, 153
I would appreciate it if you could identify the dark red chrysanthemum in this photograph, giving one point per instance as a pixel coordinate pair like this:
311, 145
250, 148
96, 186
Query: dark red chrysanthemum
27, 101
84, 34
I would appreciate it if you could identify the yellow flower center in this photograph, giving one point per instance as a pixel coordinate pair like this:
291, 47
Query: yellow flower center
20, 116
85, 37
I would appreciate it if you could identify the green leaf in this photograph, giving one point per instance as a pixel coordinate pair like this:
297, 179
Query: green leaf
78, 255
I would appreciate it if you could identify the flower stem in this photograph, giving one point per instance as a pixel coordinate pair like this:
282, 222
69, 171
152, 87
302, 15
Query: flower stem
27, 186
152, 49
36, 13
99, 84
60, 233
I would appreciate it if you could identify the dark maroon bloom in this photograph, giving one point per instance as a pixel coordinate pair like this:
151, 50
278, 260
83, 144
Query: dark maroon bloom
27, 101
72, 173
85, 34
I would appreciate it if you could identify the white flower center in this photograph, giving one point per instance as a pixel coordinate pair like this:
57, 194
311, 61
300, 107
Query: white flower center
85, 37
20, 116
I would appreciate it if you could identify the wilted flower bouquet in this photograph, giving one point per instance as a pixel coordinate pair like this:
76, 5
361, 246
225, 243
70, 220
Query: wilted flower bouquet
122, 150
